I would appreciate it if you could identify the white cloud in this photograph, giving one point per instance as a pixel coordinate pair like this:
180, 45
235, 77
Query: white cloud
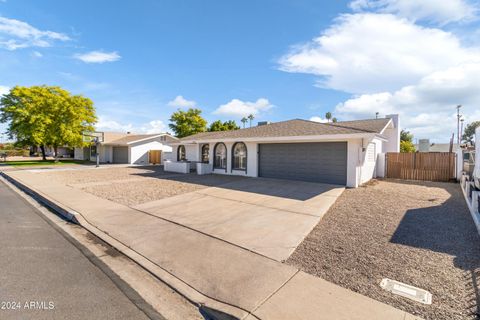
181, 102
368, 53
441, 12
98, 57
37, 54
155, 126
318, 119
427, 108
105, 123
238, 108
16, 34
4, 90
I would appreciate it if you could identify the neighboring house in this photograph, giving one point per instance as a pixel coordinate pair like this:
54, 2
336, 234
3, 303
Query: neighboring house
127, 148
344, 153
424, 145
63, 152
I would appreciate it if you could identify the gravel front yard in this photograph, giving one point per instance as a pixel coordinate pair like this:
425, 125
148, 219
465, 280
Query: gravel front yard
72, 177
136, 185
419, 233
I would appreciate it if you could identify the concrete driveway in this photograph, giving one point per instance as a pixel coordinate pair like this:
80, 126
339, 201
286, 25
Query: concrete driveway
268, 216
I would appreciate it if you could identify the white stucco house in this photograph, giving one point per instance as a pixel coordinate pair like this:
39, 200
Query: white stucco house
127, 148
347, 153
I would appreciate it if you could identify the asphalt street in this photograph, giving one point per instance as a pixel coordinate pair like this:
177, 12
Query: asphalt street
44, 276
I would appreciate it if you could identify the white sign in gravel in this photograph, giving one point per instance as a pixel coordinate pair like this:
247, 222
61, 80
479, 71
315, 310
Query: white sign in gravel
407, 291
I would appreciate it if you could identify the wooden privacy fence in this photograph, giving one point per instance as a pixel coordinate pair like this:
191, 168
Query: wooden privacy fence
155, 156
428, 166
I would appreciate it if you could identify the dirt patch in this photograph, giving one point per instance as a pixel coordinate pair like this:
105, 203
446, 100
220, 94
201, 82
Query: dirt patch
131, 194
101, 175
136, 185
418, 233
136, 192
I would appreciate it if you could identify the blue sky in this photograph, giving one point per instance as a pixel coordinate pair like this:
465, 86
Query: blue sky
141, 60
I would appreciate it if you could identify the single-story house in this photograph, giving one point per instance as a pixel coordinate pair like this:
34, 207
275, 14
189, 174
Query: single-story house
62, 152
345, 153
127, 148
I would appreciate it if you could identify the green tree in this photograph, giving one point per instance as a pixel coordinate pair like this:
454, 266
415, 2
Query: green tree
186, 123
328, 116
406, 136
225, 126
244, 120
251, 117
469, 132
46, 116
406, 141
407, 146
334, 119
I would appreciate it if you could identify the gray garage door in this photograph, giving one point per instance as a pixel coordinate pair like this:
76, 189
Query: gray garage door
120, 154
316, 162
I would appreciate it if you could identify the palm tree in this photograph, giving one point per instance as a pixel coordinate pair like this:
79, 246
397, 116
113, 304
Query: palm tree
334, 119
251, 117
244, 120
328, 116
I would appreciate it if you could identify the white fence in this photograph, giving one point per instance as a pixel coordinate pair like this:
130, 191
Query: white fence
472, 197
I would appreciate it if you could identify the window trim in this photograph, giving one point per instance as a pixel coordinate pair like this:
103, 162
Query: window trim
233, 157
215, 156
206, 145
184, 152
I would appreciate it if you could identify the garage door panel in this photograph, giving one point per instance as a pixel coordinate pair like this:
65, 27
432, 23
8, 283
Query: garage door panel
120, 155
317, 162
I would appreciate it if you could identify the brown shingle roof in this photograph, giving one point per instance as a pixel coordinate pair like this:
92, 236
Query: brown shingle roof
296, 127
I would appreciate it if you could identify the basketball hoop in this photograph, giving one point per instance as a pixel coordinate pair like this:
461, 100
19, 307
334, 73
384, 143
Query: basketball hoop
94, 137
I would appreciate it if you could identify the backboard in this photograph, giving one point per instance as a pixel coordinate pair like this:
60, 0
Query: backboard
93, 136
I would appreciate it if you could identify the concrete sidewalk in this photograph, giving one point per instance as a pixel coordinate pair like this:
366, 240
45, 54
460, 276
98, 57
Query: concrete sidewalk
207, 270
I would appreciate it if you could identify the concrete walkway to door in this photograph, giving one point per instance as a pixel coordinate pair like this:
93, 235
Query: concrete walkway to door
268, 216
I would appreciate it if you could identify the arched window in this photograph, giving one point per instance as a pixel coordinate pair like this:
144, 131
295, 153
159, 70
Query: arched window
239, 156
205, 153
220, 160
181, 154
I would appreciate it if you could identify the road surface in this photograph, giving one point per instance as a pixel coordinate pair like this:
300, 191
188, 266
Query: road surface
44, 276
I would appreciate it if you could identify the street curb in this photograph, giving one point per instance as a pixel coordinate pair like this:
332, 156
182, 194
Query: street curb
211, 309
70, 215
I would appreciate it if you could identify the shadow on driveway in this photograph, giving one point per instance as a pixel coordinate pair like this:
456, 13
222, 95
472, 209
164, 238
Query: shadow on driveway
290, 189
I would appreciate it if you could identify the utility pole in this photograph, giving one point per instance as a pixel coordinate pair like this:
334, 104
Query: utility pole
458, 123
461, 128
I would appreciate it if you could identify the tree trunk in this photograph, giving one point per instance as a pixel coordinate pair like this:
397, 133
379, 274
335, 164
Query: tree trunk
44, 156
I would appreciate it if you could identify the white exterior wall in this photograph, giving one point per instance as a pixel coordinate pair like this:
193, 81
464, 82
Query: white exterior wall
78, 154
138, 153
381, 166
252, 160
354, 149
180, 167
105, 153
393, 135
358, 171
370, 160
